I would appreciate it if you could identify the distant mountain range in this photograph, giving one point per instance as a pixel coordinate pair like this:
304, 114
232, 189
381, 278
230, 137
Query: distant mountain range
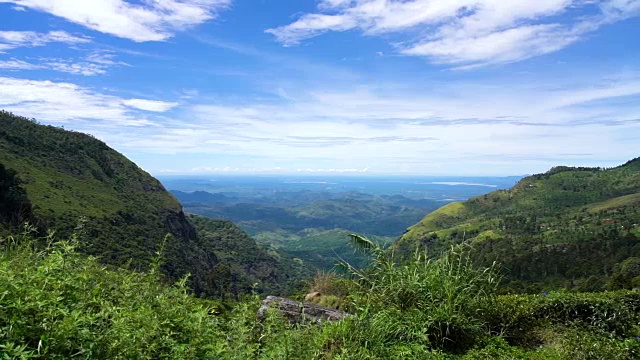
316, 230
310, 218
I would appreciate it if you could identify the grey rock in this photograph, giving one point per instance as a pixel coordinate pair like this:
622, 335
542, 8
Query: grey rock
300, 312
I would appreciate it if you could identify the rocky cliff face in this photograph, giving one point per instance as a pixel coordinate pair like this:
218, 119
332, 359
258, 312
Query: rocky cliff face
299, 312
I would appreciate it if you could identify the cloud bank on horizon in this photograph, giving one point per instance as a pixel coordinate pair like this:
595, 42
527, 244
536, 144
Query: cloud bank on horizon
432, 87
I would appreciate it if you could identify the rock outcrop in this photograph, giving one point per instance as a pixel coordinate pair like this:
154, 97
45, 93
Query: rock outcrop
300, 312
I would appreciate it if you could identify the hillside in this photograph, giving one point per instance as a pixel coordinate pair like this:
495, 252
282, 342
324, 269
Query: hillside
574, 228
244, 265
68, 182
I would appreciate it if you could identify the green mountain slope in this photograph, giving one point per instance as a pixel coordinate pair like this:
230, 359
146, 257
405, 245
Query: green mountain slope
69, 175
61, 179
567, 228
244, 265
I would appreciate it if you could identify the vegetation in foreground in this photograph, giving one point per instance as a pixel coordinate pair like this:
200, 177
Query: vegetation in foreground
57, 303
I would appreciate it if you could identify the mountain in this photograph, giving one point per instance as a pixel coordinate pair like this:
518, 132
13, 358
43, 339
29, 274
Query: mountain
73, 183
574, 228
244, 265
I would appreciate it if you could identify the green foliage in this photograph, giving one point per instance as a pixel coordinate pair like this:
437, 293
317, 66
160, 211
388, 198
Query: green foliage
435, 303
57, 303
317, 248
613, 313
15, 207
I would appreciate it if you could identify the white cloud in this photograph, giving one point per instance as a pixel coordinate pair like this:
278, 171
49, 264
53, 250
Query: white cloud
82, 68
436, 129
96, 63
104, 58
14, 39
311, 25
150, 105
57, 102
497, 47
14, 64
147, 21
465, 33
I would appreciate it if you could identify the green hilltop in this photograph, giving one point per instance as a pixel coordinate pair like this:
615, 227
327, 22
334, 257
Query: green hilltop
574, 228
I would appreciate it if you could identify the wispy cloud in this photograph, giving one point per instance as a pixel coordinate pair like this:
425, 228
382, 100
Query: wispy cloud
96, 63
139, 21
14, 64
463, 33
150, 105
386, 128
15, 39
407, 130
58, 102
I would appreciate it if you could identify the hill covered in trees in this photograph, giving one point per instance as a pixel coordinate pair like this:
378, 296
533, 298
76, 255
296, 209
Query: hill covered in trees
66, 181
244, 265
574, 228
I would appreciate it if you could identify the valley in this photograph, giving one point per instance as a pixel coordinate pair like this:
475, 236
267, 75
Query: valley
310, 217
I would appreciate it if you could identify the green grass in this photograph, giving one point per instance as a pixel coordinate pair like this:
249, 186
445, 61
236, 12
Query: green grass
435, 220
627, 200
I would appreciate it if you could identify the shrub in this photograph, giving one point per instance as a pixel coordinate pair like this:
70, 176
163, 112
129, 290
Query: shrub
437, 304
55, 303
612, 312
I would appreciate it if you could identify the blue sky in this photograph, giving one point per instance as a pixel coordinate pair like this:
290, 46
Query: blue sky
406, 87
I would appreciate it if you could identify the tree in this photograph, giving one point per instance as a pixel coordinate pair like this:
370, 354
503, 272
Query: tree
15, 207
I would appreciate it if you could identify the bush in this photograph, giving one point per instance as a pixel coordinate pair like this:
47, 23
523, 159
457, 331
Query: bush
55, 303
613, 313
436, 304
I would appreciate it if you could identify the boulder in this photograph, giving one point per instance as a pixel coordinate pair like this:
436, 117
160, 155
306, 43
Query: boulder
300, 312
